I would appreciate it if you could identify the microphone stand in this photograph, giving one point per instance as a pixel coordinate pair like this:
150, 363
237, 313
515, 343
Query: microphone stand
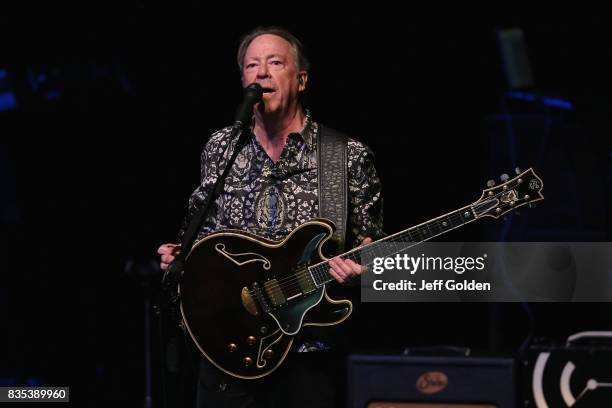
146, 272
170, 320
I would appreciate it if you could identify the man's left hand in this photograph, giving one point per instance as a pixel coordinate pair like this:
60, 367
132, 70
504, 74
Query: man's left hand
344, 269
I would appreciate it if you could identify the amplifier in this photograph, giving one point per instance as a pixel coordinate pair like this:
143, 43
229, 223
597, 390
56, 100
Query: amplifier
386, 381
577, 376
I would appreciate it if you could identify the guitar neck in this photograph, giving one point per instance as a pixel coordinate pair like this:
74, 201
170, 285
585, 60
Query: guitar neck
401, 241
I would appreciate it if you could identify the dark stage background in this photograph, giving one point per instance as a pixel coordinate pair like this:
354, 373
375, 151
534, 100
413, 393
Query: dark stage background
103, 114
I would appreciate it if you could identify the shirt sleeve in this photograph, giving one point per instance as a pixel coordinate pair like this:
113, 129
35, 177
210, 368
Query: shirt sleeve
197, 198
212, 154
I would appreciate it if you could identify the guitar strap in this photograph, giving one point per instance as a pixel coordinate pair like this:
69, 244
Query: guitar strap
333, 181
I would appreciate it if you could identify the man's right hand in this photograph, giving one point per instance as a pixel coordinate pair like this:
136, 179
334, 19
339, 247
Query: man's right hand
168, 252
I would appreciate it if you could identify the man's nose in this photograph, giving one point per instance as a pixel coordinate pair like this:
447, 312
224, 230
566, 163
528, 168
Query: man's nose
262, 71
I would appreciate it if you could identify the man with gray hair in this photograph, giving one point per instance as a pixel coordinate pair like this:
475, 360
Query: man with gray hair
271, 189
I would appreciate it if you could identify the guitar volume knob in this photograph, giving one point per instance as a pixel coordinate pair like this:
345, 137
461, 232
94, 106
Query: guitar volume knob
251, 340
232, 347
248, 361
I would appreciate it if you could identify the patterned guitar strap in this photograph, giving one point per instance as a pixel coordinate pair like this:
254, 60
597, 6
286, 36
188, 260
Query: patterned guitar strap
333, 182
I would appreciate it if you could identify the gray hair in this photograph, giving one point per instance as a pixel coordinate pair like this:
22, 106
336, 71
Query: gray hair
298, 50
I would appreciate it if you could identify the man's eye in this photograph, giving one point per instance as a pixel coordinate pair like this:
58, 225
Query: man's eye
276, 62
250, 65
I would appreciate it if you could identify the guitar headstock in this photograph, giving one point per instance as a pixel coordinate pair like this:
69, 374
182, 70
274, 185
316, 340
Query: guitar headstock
523, 189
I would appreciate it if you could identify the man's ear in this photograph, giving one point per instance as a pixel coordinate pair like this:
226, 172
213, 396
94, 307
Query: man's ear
302, 80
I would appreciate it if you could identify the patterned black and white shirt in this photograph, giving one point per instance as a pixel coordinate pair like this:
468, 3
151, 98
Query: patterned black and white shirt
271, 199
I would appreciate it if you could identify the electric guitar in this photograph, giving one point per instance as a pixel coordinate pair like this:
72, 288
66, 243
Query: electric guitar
244, 297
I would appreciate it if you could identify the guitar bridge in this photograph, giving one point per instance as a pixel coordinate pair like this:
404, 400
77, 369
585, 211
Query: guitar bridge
260, 298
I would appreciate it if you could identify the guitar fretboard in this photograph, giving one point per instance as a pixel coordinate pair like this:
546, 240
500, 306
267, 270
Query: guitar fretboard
408, 238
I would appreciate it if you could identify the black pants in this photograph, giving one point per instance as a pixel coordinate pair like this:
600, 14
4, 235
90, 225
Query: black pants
313, 380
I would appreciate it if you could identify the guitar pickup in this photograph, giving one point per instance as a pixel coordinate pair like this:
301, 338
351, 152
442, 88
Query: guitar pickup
305, 281
274, 292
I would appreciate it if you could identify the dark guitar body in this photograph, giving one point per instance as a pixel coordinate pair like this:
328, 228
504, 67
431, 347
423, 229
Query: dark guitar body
243, 297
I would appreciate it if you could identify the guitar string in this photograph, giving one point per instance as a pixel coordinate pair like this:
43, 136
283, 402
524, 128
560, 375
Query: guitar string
292, 282
403, 234
325, 275
351, 254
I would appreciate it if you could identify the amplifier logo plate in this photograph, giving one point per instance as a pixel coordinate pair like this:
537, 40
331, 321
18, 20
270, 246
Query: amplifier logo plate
432, 382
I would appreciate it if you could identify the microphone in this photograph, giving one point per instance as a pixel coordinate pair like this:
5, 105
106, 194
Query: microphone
252, 94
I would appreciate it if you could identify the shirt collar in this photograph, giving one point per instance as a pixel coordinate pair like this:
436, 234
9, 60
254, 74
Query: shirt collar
309, 131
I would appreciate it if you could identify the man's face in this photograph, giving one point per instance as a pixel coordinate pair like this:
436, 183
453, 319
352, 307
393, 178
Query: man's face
269, 60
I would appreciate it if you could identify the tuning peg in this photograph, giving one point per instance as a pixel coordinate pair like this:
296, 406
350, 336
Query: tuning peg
504, 177
517, 170
490, 183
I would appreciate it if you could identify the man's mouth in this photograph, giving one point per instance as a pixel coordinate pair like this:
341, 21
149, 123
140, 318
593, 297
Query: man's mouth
268, 90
